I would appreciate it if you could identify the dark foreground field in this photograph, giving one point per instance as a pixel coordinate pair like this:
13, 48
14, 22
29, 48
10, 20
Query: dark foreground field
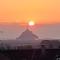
30, 54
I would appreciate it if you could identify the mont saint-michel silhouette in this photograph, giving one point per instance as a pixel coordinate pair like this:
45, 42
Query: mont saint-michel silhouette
28, 38
27, 35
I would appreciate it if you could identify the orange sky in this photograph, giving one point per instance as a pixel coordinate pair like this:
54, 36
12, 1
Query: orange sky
41, 11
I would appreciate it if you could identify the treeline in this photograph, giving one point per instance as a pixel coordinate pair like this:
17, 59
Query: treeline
44, 44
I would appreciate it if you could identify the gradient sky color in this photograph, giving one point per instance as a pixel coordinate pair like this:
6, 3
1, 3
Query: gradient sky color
41, 11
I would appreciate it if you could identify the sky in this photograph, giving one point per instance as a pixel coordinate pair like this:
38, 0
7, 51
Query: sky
12, 31
21, 11
42, 12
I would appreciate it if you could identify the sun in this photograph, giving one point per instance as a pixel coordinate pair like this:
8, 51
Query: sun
31, 23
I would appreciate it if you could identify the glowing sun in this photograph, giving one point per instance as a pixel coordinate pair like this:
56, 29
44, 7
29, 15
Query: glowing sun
31, 23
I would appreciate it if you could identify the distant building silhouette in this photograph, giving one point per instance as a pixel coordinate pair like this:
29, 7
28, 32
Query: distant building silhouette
27, 38
46, 43
50, 43
27, 35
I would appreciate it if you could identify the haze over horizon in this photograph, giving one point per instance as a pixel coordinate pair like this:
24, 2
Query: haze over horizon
47, 31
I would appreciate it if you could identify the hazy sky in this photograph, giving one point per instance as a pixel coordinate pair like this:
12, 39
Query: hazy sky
21, 11
12, 31
41, 11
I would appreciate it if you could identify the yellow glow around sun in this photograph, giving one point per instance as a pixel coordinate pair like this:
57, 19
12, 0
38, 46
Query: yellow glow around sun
31, 23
